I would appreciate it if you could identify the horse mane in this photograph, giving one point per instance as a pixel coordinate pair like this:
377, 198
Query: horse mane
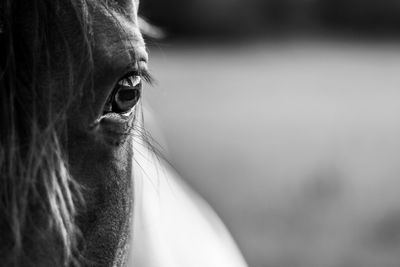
38, 197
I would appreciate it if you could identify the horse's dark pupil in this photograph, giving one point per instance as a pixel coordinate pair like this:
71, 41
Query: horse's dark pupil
128, 94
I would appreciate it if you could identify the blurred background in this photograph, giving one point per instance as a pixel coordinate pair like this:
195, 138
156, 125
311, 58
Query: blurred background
285, 116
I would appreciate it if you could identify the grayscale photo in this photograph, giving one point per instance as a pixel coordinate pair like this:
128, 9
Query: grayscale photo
199, 133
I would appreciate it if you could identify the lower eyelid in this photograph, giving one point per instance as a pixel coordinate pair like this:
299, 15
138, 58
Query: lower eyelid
114, 118
119, 116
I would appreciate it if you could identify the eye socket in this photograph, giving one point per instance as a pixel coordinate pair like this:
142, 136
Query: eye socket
125, 95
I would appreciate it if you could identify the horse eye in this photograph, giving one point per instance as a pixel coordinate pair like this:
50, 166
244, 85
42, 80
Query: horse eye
125, 95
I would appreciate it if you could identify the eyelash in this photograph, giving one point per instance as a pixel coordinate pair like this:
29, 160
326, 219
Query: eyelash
129, 85
146, 76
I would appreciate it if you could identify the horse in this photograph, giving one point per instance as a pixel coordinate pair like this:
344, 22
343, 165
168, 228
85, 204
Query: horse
73, 186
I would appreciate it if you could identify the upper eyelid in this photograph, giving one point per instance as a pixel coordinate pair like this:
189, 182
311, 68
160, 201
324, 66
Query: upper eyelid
139, 66
133, 68
142, 72
128, 76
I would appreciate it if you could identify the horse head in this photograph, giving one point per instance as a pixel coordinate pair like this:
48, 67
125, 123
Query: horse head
72, 73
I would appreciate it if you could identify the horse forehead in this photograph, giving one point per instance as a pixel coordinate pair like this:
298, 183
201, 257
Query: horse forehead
117, 28
128, 2
125, 8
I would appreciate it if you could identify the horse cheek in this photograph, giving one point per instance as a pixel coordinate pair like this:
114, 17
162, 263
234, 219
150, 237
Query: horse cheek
105, 173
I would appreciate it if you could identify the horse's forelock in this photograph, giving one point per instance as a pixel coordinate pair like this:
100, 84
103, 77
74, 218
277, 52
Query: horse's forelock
38, 197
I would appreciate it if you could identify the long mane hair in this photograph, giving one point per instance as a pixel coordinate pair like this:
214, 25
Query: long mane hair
38, 196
